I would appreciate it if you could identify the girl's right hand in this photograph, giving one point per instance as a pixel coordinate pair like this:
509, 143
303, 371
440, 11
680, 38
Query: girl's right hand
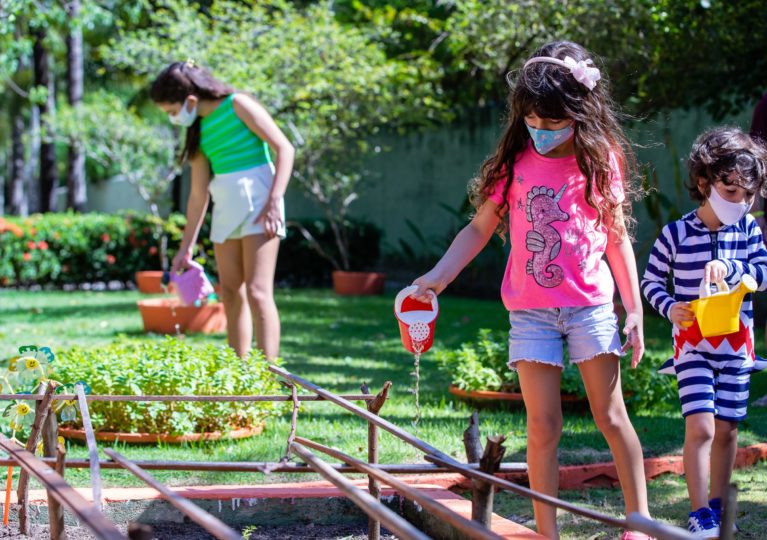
181, 260
431, 281
681, 313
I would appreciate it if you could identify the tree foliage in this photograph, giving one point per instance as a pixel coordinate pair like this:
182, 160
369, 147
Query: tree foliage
329, 85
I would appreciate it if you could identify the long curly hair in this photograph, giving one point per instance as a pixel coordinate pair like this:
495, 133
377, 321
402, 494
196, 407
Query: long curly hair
551, 91
182, 79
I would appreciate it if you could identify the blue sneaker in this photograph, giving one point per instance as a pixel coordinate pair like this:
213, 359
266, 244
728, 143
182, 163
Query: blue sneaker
703, 524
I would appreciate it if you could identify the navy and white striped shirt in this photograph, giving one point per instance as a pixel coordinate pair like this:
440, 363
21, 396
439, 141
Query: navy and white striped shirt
686, 245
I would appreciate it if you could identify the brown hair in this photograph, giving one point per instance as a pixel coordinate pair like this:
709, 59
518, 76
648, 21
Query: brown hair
551, 91
182, 79
721, 151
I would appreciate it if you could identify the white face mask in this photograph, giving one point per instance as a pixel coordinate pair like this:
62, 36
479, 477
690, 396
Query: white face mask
728, 212
184, 117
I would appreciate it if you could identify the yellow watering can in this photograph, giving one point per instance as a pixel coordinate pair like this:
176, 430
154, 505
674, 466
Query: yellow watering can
719, 313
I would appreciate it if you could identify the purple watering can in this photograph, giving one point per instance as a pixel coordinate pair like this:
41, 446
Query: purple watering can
191, 285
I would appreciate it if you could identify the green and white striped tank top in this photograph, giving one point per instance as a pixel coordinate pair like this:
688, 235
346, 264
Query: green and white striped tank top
228, 143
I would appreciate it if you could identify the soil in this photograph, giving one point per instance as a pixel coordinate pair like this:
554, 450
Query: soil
186, 531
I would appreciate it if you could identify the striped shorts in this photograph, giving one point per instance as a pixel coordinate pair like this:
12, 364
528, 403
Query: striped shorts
713, 374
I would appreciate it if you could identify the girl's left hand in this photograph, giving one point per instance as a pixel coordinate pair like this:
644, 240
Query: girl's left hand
271, 217
634, 337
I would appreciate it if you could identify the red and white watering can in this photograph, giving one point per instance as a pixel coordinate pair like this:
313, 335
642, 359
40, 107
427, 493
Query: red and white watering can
416, 319
191, 285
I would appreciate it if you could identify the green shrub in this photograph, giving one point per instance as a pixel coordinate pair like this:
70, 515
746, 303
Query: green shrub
169, 367
72, 248
482, 365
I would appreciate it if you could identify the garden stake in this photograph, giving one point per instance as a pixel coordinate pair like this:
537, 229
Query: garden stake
68, 496
90, 439
207, 521
374, 526
8, 488
41, 413
373, 508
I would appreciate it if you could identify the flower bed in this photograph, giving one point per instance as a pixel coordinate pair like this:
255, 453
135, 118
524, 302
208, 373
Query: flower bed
170, 367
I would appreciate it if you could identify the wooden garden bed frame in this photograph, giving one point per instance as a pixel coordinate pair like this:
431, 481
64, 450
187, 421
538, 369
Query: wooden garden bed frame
481, 471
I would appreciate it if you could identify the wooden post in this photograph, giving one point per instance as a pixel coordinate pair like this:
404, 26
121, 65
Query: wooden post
482, 511
93, 450
55, 511
489, 461
41, 412
374, 526
729, 511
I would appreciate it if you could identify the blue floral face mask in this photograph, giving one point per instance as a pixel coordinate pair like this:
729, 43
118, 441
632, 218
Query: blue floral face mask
546, 140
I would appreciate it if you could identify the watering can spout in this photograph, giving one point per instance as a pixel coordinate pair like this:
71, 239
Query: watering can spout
746, 285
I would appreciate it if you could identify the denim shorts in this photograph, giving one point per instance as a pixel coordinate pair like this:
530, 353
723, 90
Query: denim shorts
539, 335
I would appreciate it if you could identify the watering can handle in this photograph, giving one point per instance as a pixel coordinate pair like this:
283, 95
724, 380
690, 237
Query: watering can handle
705, 290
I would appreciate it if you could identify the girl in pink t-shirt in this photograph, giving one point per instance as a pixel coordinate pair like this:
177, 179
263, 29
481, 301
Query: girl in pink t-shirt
559, 175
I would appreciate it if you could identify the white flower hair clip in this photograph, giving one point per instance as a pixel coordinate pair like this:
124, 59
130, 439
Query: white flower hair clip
584, 73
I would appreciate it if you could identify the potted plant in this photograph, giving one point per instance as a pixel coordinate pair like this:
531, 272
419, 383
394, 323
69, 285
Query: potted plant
168, 367
479, 371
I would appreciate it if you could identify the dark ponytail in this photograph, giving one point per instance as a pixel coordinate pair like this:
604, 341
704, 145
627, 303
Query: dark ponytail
182, 79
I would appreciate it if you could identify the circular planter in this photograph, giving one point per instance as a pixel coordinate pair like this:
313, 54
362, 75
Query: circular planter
143, 438
169, 316
358, 283
149, 281
504, 396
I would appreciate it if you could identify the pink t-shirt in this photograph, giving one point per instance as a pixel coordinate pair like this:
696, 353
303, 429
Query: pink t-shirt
557, 249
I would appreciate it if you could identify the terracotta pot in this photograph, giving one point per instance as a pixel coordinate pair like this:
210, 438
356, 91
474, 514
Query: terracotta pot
149, 281
503, 396
112, 436
161, 315
358, 283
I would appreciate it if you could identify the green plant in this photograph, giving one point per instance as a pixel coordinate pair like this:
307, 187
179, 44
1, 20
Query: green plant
481, 365
170, 367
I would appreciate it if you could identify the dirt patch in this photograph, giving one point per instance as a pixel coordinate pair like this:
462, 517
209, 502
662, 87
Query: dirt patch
170, 531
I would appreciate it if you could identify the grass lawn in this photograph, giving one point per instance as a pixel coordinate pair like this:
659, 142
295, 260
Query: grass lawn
339, 343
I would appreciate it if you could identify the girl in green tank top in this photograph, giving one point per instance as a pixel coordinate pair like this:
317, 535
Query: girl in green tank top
235, 137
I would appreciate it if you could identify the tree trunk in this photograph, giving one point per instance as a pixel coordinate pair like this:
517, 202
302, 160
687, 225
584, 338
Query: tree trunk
49, 179
17, 192
76, 194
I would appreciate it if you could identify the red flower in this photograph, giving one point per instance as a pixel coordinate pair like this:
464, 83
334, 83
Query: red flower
111, 259
153, 250
27, 256
30, 245
42, 244
105, 238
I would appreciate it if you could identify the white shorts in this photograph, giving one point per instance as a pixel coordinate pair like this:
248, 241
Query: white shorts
238, 199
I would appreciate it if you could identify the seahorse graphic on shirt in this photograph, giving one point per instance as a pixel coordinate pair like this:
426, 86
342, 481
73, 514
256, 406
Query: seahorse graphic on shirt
543, 240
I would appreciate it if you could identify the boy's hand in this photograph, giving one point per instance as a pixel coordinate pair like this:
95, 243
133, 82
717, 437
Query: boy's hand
681, 314
715, 271
634, 337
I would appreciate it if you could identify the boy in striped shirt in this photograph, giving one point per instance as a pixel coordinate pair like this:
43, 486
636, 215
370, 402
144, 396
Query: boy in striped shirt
719, 241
